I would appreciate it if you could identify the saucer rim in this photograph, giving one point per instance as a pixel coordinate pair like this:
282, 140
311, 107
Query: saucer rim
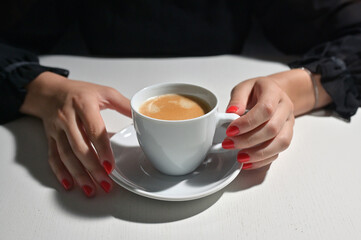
121, 181
223, 184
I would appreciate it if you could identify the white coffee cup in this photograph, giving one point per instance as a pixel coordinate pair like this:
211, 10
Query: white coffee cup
178, 147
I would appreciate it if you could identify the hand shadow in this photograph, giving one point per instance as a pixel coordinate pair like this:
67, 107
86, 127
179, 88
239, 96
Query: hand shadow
31, 152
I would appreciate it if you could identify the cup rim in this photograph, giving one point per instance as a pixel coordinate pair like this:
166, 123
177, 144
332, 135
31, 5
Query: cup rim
172, 84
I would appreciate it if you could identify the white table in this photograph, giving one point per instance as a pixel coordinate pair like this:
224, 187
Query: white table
313, 190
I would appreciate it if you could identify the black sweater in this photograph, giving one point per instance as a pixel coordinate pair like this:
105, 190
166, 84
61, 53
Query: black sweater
326, 34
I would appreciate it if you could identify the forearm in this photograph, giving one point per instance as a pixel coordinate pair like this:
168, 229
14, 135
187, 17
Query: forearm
298, 86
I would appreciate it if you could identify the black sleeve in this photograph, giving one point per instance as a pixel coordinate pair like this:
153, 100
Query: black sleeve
328, 36
17, 68
339, 63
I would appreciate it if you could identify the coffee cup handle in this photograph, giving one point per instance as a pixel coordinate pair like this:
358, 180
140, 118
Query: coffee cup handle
222, 118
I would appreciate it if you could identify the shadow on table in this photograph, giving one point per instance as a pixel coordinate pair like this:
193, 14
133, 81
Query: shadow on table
31, 152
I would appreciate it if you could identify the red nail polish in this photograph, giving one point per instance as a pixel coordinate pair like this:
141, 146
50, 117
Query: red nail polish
106, 186
232, 109
242, 157
87, 190
227, 144
232, 131
66, 184
108, 167
247, 165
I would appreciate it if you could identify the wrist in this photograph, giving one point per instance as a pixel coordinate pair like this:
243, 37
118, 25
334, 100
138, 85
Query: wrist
298, 85
313, 78
40, 92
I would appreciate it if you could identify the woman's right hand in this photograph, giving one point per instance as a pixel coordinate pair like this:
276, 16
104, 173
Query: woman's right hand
79, 147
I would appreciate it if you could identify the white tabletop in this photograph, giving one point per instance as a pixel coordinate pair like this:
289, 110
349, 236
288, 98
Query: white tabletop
313, 190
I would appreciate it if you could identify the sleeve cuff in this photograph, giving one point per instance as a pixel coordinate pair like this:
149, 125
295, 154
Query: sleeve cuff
338, 82
17, 76
21, 73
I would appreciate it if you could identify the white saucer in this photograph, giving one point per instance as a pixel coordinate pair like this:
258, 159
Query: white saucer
134, 172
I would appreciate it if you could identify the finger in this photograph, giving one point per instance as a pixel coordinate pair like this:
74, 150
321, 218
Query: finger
266, 131
85, 153
257, 115
56, 165
239, 98
93, 166
269, 148
74, 166
94, 126
256, 165
117, 101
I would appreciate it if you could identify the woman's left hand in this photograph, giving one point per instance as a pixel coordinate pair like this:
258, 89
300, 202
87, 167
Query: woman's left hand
266, 129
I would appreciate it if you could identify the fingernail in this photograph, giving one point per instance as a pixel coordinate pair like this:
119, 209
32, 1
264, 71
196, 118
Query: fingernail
232, 131
227, 144
232, 109
87, 190
107, 166
66, 184
106, 186
247, 165
242, 157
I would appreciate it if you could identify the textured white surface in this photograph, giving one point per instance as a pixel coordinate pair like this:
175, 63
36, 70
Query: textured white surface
312, 191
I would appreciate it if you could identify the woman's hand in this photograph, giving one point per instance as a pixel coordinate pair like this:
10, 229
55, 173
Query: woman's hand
79, 147
267, 128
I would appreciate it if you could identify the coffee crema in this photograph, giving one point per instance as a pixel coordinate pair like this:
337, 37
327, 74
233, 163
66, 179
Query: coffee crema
174, 107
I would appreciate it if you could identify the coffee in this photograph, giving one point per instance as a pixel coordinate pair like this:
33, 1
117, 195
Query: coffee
174, 107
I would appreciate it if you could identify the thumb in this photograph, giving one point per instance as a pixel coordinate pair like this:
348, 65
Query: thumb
239, 98
118, 102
